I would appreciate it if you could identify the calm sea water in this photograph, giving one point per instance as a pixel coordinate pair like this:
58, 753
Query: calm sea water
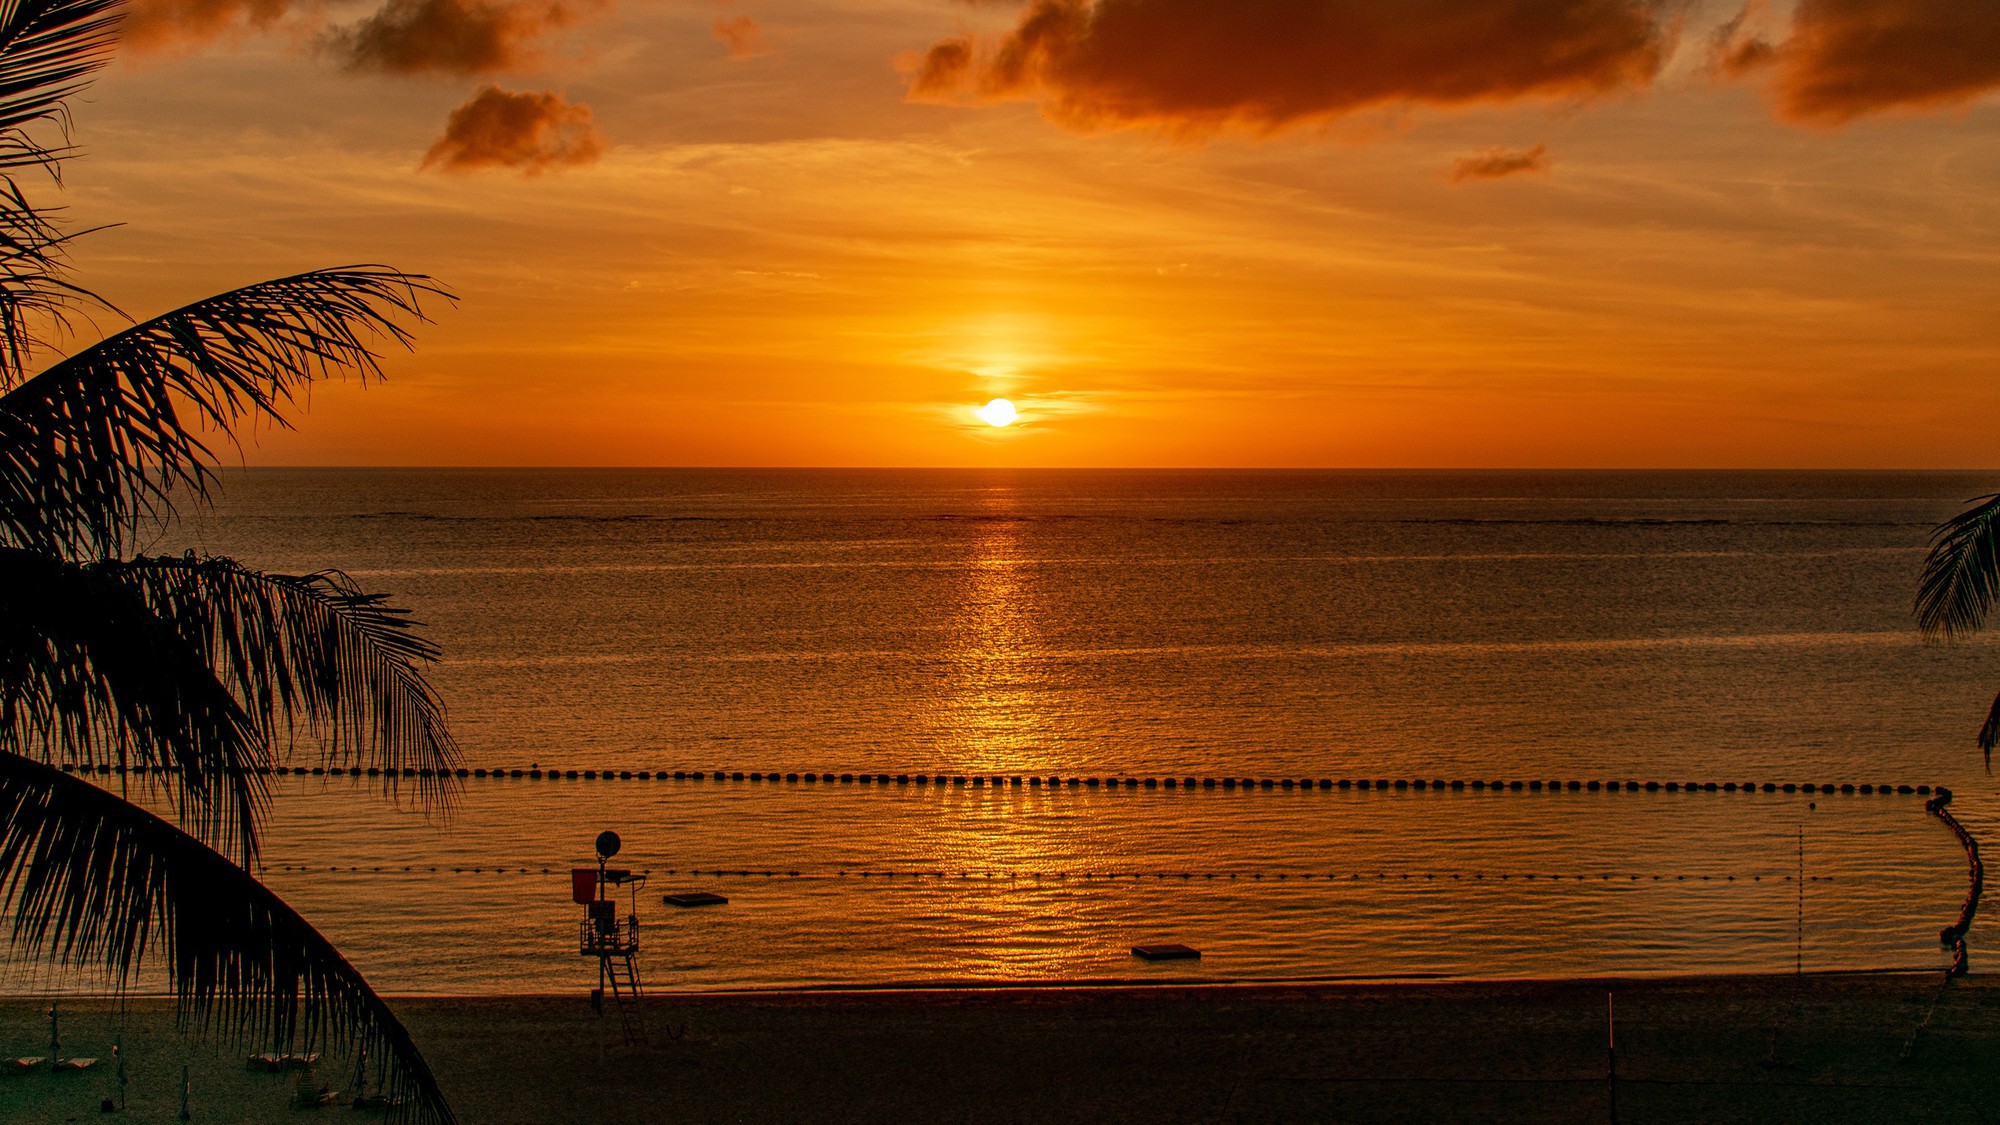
1687, 626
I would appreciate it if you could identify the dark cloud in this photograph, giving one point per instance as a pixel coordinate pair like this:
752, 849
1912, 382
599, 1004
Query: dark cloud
448, 37
742, 36
1498, 163
1847, 58
529, 131
944, 70
165, 25
1199, 65
455, 37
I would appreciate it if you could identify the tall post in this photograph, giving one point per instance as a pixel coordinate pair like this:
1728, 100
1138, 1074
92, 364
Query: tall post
602, 964
1799, 934
1611, 1051
603, 957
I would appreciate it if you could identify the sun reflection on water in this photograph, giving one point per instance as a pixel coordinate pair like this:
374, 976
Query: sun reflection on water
992, 720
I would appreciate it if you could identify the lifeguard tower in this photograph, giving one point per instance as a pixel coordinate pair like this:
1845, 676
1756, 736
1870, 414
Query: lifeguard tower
614, 941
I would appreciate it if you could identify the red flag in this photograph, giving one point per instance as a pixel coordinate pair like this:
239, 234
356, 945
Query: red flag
583, 884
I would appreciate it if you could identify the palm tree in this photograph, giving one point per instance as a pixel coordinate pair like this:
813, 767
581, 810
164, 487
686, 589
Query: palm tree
1960, 580
177, 681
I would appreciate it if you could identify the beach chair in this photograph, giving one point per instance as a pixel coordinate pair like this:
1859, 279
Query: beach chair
300, 1062
26, 1065
267, 1062
72, 1064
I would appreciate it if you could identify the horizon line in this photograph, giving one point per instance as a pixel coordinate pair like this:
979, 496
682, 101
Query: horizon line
1120, 468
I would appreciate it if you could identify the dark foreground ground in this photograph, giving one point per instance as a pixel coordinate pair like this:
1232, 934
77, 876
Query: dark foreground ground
1762, 1049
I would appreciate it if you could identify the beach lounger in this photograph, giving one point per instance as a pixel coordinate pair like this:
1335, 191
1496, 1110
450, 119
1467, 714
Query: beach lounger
24, 1065
377, 1101
73, 1064
265, 1062
299, 1061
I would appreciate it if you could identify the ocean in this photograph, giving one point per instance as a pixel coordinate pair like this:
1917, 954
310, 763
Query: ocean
999, 625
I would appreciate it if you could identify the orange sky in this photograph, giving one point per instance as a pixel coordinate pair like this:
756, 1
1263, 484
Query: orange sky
1174, 232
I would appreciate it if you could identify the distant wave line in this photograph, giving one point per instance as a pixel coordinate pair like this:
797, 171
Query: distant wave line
1073, 517
1101, 561
1244, 652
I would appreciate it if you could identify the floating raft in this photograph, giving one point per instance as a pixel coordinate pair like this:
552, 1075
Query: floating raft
695, 898
1166, 952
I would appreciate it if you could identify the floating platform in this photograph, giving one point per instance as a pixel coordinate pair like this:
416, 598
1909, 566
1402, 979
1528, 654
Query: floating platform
695, 898
1166, 952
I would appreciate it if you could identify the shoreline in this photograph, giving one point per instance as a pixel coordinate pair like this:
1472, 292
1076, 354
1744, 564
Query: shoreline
1831, 1046
1142, 984
1083, 984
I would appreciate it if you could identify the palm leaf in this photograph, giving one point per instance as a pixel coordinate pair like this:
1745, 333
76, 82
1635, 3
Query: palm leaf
34, 287
48, 50
1962, 571
92, 447
91, 675
93, 881
308, 652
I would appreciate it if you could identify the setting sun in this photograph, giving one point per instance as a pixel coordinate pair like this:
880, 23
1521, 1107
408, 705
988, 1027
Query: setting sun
997, 413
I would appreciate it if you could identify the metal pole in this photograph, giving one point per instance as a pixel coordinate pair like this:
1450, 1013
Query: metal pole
1799, 935
1611, 1051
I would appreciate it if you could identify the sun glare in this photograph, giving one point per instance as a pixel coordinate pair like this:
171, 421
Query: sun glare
999, 412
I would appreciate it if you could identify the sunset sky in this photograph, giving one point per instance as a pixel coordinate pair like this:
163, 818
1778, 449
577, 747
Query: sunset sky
1173, 232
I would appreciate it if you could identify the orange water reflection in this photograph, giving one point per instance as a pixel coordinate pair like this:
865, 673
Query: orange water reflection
993, 719
992, 712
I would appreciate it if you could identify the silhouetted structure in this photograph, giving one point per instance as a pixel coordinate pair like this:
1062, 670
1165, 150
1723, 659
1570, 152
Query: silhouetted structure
614, 941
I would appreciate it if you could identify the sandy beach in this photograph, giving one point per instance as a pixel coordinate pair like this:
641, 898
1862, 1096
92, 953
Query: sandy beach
1820, 1048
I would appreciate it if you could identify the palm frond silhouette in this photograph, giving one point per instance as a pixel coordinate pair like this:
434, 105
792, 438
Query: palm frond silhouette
185, 678
1961, 578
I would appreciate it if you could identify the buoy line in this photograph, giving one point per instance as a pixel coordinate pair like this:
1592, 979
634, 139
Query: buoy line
1060, 783
1952, 937
960, 876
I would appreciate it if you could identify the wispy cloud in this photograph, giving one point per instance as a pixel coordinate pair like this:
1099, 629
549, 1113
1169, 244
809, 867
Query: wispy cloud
1499, 163
743, 36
